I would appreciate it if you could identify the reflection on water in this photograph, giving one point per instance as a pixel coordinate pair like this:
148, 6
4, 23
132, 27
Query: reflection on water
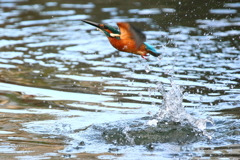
64, 90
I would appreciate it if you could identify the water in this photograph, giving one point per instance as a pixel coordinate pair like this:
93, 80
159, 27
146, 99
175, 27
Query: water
65, 92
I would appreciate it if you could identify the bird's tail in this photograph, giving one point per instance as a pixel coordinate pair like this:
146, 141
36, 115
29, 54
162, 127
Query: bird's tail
152, 50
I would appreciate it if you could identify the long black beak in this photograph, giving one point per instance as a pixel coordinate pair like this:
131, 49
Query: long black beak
92, 23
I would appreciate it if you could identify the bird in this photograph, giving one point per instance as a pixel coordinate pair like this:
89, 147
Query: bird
126, 38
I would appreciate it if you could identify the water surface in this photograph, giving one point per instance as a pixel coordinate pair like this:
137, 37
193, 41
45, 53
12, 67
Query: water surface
64, 89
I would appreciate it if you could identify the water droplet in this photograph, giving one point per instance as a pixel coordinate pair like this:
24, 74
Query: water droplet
147, 68
160, 57
120, 103
153, 103
113, 58
185, 94
140, 94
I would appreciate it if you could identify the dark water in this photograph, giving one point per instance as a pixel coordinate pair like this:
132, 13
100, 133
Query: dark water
65, 92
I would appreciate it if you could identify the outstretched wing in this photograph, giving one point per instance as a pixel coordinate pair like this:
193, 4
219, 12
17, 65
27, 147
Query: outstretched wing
128, 31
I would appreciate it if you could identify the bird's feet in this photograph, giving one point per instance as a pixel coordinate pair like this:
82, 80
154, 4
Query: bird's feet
144, 56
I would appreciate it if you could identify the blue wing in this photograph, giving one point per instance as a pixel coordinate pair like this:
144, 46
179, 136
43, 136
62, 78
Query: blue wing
151, 50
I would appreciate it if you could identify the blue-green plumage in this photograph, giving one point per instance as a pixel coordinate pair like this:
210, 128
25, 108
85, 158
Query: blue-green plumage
152, 50
112, 29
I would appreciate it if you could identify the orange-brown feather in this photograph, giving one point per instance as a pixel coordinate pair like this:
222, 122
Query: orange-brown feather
127, 45
128, 41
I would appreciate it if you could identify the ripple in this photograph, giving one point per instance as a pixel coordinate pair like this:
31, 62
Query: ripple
84, 6
47, 94
125, 19
232, 5
112, 9
145, 11
14, 0
7, 66
35, 22
17, 61
57, 13
73, 17
6, 132
83, 78
17, 32
51, 4
214, 23
10, 55
53, 43
223, 11
8, 5
9, 42
169, 10
35, 7
110, 69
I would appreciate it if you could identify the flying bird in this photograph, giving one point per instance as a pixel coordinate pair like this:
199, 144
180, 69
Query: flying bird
127, 38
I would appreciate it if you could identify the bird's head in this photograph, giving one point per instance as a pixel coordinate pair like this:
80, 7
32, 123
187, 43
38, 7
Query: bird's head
108, 30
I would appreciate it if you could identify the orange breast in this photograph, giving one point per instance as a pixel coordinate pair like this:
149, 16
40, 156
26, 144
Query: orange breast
127, 45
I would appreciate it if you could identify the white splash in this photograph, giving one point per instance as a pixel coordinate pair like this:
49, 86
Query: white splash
173, 110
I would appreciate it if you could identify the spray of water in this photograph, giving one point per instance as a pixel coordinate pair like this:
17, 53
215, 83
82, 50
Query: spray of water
172, 110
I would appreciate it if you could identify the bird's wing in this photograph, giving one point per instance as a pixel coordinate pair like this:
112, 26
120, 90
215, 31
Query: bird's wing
151, 50
128, 31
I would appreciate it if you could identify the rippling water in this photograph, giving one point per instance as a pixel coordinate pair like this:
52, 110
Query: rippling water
65, 92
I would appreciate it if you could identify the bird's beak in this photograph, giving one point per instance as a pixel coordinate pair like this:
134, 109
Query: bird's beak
92, 23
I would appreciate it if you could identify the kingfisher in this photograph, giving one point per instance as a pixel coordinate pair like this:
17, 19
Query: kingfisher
127, 38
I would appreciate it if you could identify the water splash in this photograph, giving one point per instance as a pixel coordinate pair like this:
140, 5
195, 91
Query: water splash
113, 58
171, 124
172, 110
147, 68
